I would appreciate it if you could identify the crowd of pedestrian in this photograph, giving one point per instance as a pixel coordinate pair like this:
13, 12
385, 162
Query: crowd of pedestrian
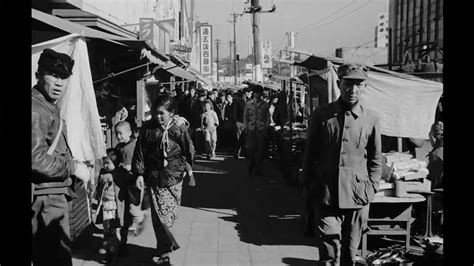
341, 168
146, 167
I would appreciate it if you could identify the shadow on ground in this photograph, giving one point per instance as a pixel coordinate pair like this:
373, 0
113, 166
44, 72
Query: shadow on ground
268, 210
298, 262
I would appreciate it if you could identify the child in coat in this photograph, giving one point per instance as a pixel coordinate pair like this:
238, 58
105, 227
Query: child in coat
107, 208
130, 197
210, 122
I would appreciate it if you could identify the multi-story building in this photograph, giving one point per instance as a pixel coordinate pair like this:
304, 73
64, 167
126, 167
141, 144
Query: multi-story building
381, 31
417, 36
363, 55
370, 55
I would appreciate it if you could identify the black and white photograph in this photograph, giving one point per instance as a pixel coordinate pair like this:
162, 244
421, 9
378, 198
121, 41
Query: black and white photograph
237, 132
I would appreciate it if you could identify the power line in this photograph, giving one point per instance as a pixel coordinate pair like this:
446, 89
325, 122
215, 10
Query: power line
335, 12
275, 49
400, 29
318, 26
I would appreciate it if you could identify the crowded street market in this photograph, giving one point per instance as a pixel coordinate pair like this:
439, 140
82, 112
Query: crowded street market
150, 149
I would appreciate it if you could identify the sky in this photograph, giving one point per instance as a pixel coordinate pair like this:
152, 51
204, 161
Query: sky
322, 26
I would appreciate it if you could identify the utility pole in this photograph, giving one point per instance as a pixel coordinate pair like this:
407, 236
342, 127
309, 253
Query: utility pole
217, 50
230, 55
234, 20
256, 40
255, 9
291, 45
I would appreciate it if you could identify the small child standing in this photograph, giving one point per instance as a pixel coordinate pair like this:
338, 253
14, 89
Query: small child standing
210, 122
132, 215
107, 198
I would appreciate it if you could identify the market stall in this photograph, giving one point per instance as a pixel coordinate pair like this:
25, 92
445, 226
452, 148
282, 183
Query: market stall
289, 132
406, 106
98, 57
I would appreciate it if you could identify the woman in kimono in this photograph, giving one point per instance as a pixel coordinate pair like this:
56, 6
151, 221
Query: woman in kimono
163, 149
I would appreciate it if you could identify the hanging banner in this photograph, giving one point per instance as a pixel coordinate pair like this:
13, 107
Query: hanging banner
206, 49
266, 48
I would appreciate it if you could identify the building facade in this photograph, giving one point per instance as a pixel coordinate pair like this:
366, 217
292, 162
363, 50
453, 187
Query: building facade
381, 31
363, 55
417, 35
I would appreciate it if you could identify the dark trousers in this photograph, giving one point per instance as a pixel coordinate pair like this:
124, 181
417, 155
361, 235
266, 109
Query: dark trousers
339, 233
255, 147
238, 143
50, 230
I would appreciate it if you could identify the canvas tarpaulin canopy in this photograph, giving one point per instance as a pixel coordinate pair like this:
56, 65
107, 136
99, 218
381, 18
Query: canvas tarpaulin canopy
77, 105
406, 104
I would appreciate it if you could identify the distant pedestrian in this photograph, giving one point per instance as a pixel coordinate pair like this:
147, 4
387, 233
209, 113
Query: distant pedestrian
256, 123
239, 148
230, 121
210, 122
188, 103
212, 95
221, 105
342, 167
197, 110
53, 169
163, 149
274, 111
248, 94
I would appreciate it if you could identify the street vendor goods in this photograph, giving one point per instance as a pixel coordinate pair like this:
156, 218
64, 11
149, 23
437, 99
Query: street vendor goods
405, 174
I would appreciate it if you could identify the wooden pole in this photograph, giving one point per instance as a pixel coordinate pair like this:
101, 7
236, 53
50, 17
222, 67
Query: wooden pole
390, 49
310, 94
291, 111
256, 40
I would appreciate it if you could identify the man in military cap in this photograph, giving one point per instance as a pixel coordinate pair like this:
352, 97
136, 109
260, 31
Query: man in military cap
256, 123
342, 167
52, 163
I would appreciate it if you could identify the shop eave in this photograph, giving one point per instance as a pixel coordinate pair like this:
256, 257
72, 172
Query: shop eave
91, 20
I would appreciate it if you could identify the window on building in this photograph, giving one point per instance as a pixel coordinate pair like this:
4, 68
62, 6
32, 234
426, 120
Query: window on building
381, 30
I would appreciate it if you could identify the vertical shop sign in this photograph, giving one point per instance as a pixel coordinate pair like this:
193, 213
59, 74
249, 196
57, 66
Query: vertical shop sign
206, 49
266, 54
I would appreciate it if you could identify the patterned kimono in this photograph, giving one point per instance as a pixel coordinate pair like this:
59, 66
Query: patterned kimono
160, 156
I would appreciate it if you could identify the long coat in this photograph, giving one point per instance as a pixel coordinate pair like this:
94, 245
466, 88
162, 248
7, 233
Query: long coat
342, 163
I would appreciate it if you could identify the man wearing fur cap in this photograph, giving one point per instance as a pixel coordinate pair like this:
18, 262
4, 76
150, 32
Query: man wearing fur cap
52, 164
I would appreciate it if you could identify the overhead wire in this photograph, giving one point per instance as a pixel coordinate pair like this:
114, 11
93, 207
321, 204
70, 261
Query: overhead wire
337, 18
275, 49
335, 12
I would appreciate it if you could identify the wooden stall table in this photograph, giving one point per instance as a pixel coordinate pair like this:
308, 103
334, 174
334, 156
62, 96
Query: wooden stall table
387, 211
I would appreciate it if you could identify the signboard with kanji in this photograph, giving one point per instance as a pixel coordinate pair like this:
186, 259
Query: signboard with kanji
206, 49
266, 48
181, 48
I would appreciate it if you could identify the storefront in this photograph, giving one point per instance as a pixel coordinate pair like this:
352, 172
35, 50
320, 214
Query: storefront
101, 58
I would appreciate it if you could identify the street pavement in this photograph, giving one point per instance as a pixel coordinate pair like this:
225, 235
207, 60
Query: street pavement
229, 218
